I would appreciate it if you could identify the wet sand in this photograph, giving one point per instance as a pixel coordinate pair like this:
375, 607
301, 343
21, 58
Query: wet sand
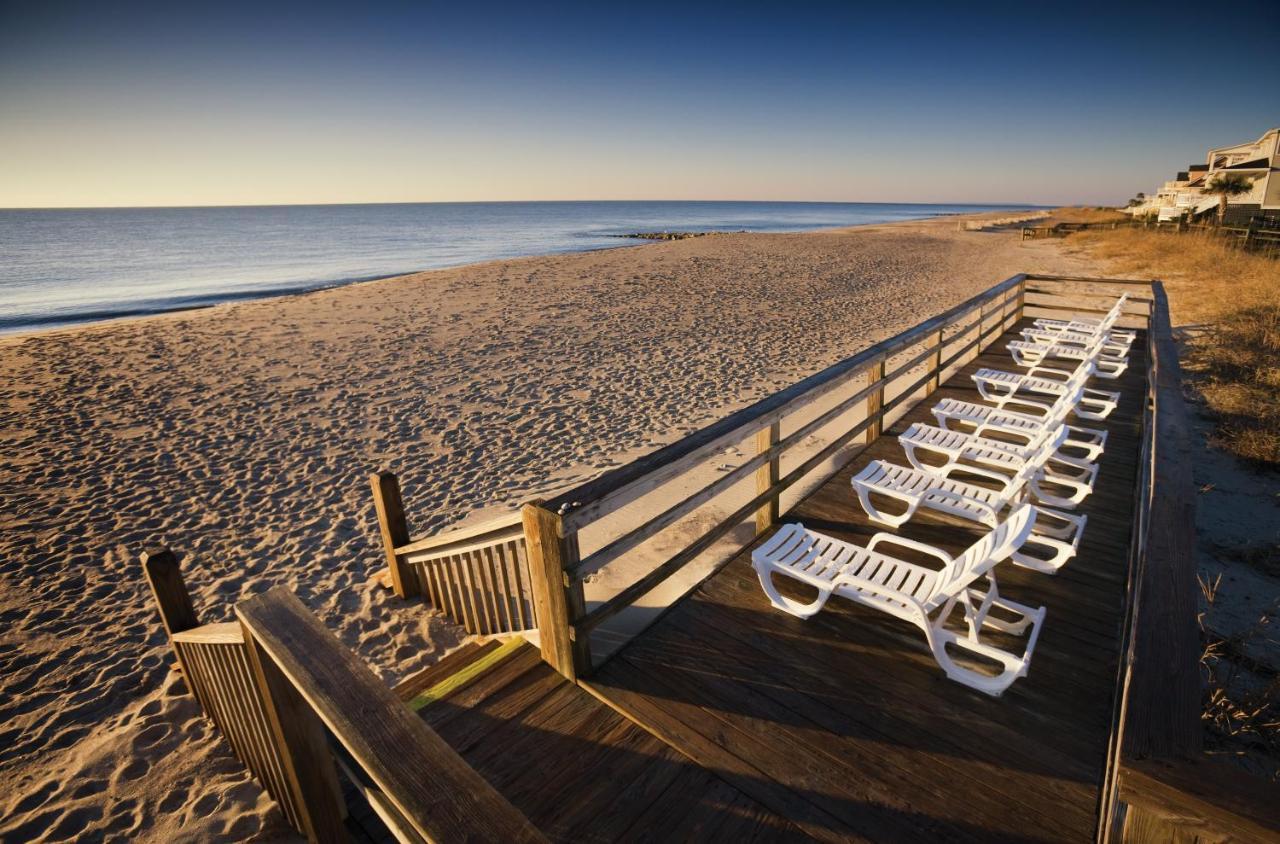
242, 436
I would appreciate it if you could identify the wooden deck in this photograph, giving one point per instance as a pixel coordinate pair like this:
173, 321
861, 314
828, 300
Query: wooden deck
727, 717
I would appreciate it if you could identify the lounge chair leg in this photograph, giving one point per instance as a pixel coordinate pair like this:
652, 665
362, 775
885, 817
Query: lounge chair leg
789, 605
1014, 667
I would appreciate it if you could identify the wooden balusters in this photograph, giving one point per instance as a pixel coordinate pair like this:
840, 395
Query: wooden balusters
395, 531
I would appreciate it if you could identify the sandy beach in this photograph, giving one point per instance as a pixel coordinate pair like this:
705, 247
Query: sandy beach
242, 436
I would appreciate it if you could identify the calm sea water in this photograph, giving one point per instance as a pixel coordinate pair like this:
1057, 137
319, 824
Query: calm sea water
67, 266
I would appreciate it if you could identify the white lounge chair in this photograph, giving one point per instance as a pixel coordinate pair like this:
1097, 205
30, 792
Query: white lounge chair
1031, 354
924, 596
1114, 348
1001, 388
982, 420
957, 448
1057, 533
1088, 325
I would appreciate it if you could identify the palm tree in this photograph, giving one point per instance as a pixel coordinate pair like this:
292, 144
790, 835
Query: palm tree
1227, 185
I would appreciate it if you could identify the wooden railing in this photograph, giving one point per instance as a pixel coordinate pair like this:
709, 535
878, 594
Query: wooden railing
887, 377
296, 705
215, 663
477, 575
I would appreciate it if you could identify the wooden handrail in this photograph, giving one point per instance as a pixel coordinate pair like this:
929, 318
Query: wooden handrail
1163, 693
1222, 801
468, 535
636, 590
589, 501
427, 782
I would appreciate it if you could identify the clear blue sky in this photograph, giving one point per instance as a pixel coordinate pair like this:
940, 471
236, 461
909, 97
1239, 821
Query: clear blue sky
224, 103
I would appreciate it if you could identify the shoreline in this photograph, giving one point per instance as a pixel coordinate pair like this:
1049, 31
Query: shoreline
52, 325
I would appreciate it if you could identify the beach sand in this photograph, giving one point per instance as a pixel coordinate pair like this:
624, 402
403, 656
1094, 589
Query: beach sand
242, 436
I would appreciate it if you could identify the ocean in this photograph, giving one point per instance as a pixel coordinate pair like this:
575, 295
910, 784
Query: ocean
66, 266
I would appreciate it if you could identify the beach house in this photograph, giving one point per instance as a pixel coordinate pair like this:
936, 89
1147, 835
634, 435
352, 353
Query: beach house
1187, 192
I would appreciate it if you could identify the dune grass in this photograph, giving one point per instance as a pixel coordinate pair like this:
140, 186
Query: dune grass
1228, 302
1084, 214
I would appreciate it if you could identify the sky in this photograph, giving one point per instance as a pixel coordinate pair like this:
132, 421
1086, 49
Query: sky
133, 104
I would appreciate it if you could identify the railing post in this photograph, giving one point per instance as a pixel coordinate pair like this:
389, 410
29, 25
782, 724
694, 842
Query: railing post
1021, 299
935, 365
767, 476
558, 599
875, 401
299, 737
395, 531
164, 576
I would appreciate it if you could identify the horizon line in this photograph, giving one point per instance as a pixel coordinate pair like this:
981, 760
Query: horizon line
516, 202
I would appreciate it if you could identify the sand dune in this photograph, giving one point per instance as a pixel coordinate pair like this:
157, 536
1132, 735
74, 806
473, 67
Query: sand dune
242, 436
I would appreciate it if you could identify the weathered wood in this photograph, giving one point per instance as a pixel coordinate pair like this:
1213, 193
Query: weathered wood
299, 740
472, 535
442, 797
395, 531
1207, 798
935, 364
164, 576
614, 489
875, 401
629, 540
547, 559
1163, 695
656, 575
767, 476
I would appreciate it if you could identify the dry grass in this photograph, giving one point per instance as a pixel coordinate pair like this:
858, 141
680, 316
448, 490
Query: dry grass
1082, 214
1241, 706
1230, 301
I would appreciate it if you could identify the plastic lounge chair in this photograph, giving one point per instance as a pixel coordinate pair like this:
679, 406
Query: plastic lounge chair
1087, 325
924, 596
983, 419
957, 448
1031, 354
1110, 347
1057, 533
1001, 388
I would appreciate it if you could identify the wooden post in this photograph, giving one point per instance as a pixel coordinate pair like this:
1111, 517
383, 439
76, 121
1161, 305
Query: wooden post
395, 531
935, 364
767, 476
875, 401
299, 736
164, 576
1021, 299
556, 603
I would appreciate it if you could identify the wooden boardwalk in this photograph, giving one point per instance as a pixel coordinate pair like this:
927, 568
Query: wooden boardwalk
727, 716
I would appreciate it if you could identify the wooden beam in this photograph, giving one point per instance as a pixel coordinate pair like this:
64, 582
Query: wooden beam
935, 365
547, 560
1163, 696
875, 401
301, 746
767, 477
1202, 796
395, 531
164, 576
428, 783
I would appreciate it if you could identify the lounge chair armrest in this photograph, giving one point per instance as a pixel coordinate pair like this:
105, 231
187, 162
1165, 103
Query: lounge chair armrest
894, 539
